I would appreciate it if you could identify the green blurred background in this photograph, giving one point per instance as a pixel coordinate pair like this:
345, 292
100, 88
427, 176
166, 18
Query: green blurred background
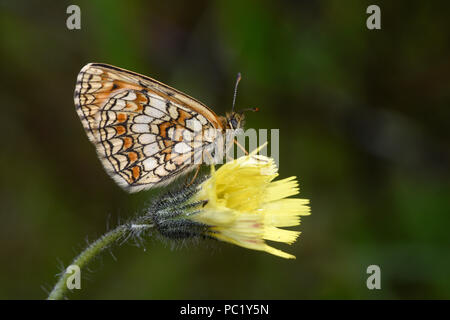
364, 120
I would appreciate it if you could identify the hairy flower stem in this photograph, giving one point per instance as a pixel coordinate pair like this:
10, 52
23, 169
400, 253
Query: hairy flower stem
94, 249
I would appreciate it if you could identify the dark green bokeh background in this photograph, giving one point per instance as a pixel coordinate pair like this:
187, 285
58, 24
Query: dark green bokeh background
364, 123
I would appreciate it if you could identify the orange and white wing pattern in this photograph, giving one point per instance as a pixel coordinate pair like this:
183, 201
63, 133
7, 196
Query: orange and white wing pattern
146, 133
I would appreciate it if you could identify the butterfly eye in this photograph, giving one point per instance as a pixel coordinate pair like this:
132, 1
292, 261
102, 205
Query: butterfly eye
234, 123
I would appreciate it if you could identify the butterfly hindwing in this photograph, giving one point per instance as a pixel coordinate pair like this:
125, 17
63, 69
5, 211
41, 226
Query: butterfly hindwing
145, 132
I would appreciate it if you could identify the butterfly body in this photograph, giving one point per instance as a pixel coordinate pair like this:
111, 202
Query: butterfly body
145, 132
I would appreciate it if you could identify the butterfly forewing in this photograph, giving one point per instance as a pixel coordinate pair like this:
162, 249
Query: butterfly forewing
146, 133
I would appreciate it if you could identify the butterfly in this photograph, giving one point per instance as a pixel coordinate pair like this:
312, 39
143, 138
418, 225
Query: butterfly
145, 132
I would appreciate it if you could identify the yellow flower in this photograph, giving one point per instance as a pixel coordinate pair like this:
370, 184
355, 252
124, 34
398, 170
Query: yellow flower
244, 206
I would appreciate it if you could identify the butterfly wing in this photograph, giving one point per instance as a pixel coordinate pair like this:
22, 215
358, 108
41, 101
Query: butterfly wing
145, 133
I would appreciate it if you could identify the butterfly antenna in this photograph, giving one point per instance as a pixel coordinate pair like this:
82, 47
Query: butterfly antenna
255, 109
235, 90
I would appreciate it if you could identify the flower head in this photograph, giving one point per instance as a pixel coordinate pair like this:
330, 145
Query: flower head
239, 203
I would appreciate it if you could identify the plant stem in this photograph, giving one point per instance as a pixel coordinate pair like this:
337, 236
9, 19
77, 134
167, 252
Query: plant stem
94, 249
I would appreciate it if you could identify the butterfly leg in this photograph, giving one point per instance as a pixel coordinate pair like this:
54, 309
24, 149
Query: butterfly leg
195, 175
241, 147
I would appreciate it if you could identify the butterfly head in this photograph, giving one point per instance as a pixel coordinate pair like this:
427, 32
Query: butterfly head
236, 120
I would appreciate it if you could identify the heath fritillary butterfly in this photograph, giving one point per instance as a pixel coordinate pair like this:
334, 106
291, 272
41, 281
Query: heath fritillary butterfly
145, 132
